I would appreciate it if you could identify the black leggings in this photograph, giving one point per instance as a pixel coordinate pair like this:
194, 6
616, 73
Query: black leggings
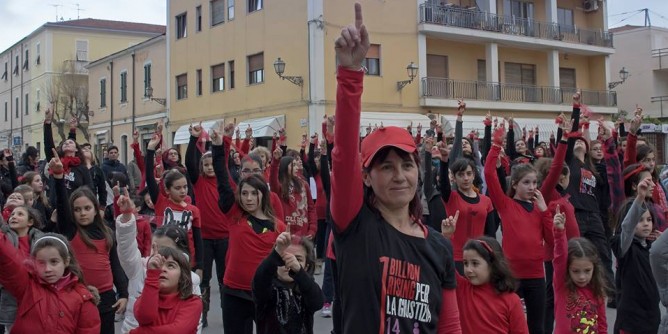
107, 312
549, 298
238, 314
337, 312
533, 292
214, 250
321, 239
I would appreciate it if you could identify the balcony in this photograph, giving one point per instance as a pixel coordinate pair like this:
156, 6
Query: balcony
516, 30
441, 88
660, 58
75, 67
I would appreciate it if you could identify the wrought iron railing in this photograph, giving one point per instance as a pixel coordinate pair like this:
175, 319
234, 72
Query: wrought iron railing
660, 54
505, 92
511, 25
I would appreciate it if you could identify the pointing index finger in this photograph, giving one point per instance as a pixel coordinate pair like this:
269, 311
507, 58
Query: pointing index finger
358, 16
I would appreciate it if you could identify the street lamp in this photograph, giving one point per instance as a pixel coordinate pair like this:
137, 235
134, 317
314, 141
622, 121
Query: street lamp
411, 70
149, 95
623, 74
279, 67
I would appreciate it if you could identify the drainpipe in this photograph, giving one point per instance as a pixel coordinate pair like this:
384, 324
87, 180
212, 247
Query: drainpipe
11, 98
22, 99
133, 93
111, 101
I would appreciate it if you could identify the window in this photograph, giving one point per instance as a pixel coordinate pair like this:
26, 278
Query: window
124, 149
37, 54
521, 74
16, 65
147, 77
181, 29
4, 74
124, 87
230, 66
217, 12
182, 86
198, 15
565, 19
26, 65
16, 100
230, 10
103, 93
199, 82
218, 78
26, 104
38, 100
482, 70
256, 69
518, 9
6, 112
82, 50
254, 5
567, 77
437, 66
372, 60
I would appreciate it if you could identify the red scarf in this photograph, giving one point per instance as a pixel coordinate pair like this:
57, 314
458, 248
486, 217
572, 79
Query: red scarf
69, 162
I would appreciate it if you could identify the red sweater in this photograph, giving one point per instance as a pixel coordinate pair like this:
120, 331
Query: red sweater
185, 216
94, 263
165, 313
579, 312
483, 310
523, 231
214, 222
299, 210
346, 190
63, 307
471, 223
246, 250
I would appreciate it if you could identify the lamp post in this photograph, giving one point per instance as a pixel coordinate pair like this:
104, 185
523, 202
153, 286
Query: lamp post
149, 95
623, 74
279, 67
411, 70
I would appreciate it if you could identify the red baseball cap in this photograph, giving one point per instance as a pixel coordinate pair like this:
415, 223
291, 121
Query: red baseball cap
385, 137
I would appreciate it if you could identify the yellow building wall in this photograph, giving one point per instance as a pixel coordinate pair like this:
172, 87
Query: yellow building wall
462, 57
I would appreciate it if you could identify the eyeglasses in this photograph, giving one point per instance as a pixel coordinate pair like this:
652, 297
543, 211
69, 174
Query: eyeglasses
251, 171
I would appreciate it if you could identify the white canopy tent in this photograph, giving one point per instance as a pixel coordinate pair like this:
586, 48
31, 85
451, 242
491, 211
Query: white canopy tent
182, 134
262, 127
402, 120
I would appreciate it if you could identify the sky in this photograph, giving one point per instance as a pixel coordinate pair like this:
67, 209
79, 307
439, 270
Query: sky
21, 17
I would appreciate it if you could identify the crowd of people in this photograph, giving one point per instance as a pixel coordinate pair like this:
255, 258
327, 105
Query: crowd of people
404, 220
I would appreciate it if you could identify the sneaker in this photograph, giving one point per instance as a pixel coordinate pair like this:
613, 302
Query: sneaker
326, 311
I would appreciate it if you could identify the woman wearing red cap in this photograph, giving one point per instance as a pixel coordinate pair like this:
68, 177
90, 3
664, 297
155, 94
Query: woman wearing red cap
395, 274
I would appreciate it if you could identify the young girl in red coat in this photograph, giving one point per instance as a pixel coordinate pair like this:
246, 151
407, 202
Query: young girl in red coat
526, 223
253, 230
167, 303
579, 283
486, 293
51, 293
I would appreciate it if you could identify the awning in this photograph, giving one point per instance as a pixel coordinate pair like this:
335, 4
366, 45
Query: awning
262, 127
182, 135
402, 120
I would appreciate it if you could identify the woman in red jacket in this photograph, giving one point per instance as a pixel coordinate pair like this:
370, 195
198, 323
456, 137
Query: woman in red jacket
253, 229
395, 274
526, 223
167, 303
51, 293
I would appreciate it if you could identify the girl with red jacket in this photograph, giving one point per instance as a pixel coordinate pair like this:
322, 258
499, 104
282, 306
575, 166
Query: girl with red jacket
526, 223
381, 245
172, 206
51, 293
167, 303
253, 229
80, 221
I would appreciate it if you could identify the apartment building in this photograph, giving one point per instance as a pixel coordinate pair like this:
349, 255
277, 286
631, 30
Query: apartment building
126, 92
524, 58
47, 67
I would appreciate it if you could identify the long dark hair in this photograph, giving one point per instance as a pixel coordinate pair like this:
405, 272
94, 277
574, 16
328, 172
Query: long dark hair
642, 152
517, 173
415, 206
28, 177
185, 287
33, 215
500, 277
176, 234
287, 179
97, 220
258, 183
632, 178
581, 248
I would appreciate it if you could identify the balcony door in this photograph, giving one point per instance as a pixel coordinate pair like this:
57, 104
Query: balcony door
518, 17
520, 83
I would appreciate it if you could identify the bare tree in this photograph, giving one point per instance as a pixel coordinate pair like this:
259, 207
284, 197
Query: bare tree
67, 93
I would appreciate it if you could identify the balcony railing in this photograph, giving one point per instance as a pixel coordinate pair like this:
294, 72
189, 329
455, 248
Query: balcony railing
660, 54
510, 25
505, 92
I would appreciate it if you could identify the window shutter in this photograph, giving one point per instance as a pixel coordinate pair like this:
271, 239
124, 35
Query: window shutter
217, 12
513, 73
256, 62
437, 66
567, 77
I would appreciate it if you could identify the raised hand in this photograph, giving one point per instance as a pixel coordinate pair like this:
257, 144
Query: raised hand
449, 225
559, 219
196, 130
576, 97
278, 153
238, 133
445, 152
216, 138
7, 153
135, 136
603, 130
304, 140
249, 132
125, 204
428, 144
48, 116
156, 261
55, 165
116, 190
635, 124
154, 142
291, 262
228, 130
74, 122
159, 126
461, 107
283, 242
645, 188
351, 47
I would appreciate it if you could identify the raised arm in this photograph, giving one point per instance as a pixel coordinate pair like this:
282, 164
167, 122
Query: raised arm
14, 276
632, 217
126, 237
11, 165
552, 177
459, 129
153, 188
496, 192
193, 156
219, 154
560, 252
66, 226
49, 145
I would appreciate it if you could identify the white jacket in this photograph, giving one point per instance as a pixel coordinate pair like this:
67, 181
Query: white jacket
135, 268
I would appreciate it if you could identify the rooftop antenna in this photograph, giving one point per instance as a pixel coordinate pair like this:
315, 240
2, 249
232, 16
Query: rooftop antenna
78, 9
56, 7
648, 22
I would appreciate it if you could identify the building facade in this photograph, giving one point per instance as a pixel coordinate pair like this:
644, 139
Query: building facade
123, 91
47, 67
524, 58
